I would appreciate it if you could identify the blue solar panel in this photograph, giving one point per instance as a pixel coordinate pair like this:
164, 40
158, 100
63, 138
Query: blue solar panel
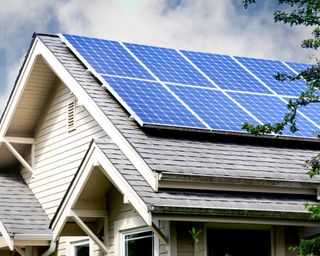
168, 65
215, 108
270, 109
107, 57
225, 72
298, 67
267, 69
312, 112
152, 103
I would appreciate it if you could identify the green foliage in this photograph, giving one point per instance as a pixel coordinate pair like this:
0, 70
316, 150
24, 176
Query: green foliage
306, 13
195, 238
310, 247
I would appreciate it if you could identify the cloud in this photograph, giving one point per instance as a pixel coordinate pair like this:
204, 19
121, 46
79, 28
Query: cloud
215, 26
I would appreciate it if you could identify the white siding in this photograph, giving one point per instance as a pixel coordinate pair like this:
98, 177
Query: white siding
58, 153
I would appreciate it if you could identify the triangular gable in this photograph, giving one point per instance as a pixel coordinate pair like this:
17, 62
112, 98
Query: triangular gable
96, 160
39, 48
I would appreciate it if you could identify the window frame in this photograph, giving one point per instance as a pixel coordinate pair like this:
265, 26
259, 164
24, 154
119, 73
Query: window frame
73, 242
136, 231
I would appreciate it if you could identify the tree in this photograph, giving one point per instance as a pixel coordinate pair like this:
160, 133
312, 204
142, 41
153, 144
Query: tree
307, 13
295, 13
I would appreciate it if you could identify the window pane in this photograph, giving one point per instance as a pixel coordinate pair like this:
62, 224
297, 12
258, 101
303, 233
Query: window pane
82, 250
139, 244
238, 242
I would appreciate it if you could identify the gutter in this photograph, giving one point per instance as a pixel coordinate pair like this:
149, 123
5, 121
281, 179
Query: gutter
51, 249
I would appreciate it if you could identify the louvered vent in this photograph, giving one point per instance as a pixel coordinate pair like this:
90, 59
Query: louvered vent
71, 116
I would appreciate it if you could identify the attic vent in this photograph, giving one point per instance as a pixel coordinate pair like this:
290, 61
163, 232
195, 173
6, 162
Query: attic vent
71, 116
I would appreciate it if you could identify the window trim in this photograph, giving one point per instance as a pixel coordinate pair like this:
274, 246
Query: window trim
74, 241
132, 232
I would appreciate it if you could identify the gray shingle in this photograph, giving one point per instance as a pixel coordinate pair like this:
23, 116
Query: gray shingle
20, 211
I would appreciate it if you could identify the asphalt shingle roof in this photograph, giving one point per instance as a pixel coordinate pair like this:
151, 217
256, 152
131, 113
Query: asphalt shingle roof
20, 211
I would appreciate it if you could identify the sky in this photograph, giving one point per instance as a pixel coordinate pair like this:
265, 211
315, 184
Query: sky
218, 26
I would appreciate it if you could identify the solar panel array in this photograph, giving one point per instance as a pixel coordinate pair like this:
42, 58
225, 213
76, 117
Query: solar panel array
194, 90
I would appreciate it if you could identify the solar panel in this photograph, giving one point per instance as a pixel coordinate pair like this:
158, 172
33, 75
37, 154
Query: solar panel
270, 109
168, 65
298, 67
267, 69
215, 108
151, 102
165, 87
225, 72
106, 57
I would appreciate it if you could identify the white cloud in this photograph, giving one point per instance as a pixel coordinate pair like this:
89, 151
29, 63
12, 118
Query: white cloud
215, 26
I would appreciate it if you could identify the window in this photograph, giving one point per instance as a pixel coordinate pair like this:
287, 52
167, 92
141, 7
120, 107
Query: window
238, 242
138, 243
79, 246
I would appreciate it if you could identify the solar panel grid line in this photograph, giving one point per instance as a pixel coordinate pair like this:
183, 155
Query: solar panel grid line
257, 78
104, 56
293, 70
224, 71
167, 64
79, 56
153, 103
218, 87
123, 103
279, 96
306, 117
167, 88
266, 70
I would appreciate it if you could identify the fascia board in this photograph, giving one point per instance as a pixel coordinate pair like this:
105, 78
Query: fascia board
94, 158
122, 185
98, 115
73, 192
19, 88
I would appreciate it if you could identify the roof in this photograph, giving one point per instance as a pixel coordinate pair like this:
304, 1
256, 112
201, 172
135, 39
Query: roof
169, 201
194, 154
20, 212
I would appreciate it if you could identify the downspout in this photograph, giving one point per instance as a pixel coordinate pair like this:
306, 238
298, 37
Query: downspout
51, 249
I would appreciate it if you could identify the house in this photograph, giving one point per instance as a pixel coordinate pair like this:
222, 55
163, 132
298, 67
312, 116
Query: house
83, 172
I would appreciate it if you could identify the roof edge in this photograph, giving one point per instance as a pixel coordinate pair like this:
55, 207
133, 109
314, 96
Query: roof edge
202, 180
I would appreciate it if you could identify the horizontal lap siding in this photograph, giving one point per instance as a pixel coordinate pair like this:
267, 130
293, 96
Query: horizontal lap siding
59, 153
